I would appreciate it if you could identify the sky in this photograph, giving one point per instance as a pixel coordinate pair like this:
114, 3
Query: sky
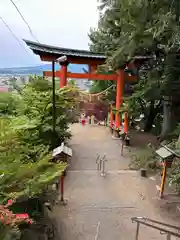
63, 23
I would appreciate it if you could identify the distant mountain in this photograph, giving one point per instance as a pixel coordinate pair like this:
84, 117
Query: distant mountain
38, 70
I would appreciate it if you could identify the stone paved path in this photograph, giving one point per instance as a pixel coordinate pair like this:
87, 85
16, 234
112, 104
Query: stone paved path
107, 202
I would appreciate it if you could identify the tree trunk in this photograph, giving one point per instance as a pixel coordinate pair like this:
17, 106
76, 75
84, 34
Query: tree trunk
178, 142
167, 120
152, 112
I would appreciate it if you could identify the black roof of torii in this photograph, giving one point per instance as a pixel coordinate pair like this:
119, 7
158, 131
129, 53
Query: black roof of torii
39, 48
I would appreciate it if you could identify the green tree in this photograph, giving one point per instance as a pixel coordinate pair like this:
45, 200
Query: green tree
143, 28
72, 82
26, 167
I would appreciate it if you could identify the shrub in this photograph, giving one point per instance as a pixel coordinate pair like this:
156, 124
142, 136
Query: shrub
26, 135
144, 158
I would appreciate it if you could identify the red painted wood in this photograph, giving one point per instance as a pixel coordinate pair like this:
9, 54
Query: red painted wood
49, 74
126, 122
63, 76
62, 187
119, 95
92, 76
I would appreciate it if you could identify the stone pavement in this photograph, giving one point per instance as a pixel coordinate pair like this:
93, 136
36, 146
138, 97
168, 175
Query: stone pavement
105, 205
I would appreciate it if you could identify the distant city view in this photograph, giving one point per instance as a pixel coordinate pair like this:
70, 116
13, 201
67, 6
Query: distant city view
21, 75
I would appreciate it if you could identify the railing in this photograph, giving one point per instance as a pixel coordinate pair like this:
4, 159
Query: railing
166, 229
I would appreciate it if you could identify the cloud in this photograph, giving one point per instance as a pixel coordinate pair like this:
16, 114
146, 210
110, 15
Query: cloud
63, 23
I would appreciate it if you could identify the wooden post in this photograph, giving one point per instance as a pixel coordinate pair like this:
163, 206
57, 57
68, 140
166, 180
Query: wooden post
62, 187
63, 79
119, 95
163, 180
111, 116
125, 122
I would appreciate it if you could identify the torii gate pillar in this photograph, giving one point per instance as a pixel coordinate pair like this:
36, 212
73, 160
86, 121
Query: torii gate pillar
119, 95
63, 79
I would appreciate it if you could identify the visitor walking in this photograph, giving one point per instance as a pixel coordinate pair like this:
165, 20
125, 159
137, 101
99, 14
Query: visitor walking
83, 121
92, 119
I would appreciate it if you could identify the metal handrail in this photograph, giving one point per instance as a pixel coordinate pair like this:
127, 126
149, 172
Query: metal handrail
162, 228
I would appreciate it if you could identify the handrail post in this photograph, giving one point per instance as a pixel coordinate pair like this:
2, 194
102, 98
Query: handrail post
98, 162
137, 230
168, 237
103, 159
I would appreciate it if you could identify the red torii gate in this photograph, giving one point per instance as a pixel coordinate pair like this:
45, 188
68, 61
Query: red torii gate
51, 53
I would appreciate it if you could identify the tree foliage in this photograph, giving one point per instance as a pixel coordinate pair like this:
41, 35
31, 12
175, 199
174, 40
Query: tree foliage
130, 28
26, 135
